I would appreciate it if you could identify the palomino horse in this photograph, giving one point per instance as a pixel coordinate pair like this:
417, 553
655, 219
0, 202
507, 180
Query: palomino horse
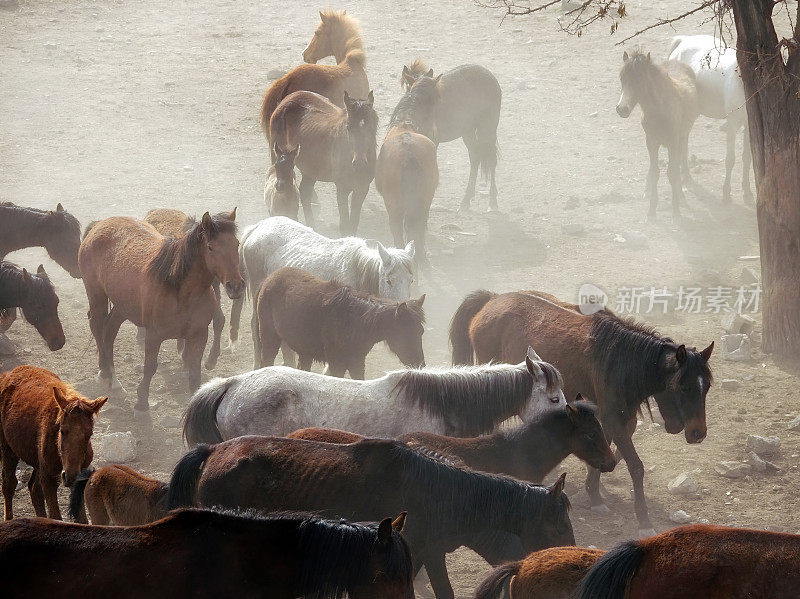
406, 172
721, 96
277, 242
451, 506
555, 573
617, 363
325, 321
35, 296
117, 495
469, 109
698, 562
528, 452
159, 283
464, 401
175, 224
274, 557
338, 146
45, 423
337, 35
668, 96
281, 195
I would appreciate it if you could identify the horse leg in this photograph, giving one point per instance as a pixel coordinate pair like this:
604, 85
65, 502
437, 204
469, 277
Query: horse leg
342, 196
113, 323
437, 573
218, 323
306, 189
471, 141
357, 369
289, 356
730, 160
674, 176
356, 201
687, 174
140, 335
49, 485
37, 496
195, 347
636, 470
651, 186
256, 339
9, 474
270, 342
397, 229
747, 163
305, 362
98, 314
152, 343
336, 369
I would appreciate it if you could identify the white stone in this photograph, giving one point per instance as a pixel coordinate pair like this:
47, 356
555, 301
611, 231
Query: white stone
794, 425
763, 446
730, 384
756, 462
736, 348
680, 517
683, 484
732, 469
118, 448
737, 324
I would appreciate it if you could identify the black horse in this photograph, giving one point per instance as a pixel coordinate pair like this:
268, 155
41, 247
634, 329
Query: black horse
36, 297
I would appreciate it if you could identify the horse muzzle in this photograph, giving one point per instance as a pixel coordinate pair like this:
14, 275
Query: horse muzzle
623, 111
67, 480
695, 434
308, 57
234, 290
57, 342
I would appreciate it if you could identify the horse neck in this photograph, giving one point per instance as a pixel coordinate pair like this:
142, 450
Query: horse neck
351, 43
658, 90
12, 291
537, 447
28, 229
198, 280
367, 266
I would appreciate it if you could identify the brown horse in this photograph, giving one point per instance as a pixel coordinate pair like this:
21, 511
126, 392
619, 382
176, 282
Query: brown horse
159, 283
117, 495
201, 553
406, 172
325, 321
699, 562
668, 96
469, 109
617, 363
36, 297
528, 452
554, 573
48, 425
280, 191
338, 145
339, 35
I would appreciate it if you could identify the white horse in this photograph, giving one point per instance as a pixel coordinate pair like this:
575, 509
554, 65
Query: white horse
279, 241
460, 401
721, 96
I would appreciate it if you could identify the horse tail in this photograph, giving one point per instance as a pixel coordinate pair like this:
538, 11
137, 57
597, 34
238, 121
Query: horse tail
488, 153
459, 326
676, 41
609, 577
76, 493
497, 584
186, 476
273, 97
200, 419
486, 133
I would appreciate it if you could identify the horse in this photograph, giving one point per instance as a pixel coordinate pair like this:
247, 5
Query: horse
325, 321
36, 297
500, 517
668, 96
281, 195
721, 96
699, 561
406, 171
117, 495
173, 223
339, 35
207, 553
465, 401
48, 425
159, 283
617, 363
277, 242
469, 109
555, 573
528, 452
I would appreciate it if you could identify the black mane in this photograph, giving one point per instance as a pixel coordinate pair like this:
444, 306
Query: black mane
370, 308
423, 95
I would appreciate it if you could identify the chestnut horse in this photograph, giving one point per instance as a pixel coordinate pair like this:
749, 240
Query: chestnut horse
48, 425
117, 495
338, 146
699, 562
159, 283
203, 553
469, 109
500, 517
35, 296
339, 35
325, 321
280, 191
617, 363
406, 172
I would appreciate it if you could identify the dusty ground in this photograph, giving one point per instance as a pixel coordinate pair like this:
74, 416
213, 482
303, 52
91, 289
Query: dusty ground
118, 107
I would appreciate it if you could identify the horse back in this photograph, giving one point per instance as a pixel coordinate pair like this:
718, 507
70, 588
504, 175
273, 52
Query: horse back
470, 99
406, 171
555, 573
167, 221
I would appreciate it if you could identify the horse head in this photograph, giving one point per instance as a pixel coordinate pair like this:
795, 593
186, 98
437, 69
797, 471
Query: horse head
632, 76
362, 128
40, 307
396, 271
75, 424
221, 251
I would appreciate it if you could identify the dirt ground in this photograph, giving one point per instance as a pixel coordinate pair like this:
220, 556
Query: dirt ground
113, 108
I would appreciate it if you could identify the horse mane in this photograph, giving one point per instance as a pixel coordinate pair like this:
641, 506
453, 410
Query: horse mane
367, 264
11, 278
418, 67
175, 258
423, 95
318, 122
65, 218
349, 25
370, 308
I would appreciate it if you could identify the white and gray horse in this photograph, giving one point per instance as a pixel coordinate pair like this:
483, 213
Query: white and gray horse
460, 401
721, 96
279, 241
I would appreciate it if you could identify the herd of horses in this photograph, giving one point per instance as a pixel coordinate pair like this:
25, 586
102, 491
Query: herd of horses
304, 484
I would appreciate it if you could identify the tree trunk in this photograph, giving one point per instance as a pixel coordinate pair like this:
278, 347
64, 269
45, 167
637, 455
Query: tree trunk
773, 111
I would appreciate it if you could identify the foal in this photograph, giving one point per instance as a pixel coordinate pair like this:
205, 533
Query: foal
328, 322
280, 191
35, 296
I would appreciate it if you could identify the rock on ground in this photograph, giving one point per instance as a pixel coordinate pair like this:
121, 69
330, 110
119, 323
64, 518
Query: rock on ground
118, 448
680, 517
732, 469
763, 446
683, 484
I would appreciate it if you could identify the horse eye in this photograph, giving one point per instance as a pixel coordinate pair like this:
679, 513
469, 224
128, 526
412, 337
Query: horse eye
210, 249
388, 282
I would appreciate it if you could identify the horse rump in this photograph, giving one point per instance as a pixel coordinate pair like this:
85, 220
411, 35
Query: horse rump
610, 576
497, 584
463, 354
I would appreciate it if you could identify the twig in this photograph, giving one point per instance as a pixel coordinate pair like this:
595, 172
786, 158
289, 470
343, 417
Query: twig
661, 22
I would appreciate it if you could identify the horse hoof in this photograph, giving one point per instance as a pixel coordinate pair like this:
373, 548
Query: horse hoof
646, 532
142, 417
601, 509
211, 364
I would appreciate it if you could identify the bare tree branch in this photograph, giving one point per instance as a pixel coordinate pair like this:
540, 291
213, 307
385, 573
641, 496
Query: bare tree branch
661, 22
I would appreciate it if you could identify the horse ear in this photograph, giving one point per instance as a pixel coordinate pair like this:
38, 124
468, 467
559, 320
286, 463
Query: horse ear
59, 208
60, 399
680, 354
533, 368
322, 17
295, 153
578, 397
232, 215
533, 355
40, 271
625, 57
26, 276
706, 353
438, 77
411, 248
402, 308
385, 532
95, 404
275, 149
406, 71
400, 522
558, 486
421, 300
206, 221
385, 257
572, 411
346, 98
648, 57
370, 98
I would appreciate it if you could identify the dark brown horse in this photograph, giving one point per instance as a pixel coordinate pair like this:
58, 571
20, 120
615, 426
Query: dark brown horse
337, 35
327, 322
500, 517
36, 297
699, 562
280, 191
45, 423
201, 553
159, 283
617, 363
117, 495
528, 452
337, 145
406, 172
469, 109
